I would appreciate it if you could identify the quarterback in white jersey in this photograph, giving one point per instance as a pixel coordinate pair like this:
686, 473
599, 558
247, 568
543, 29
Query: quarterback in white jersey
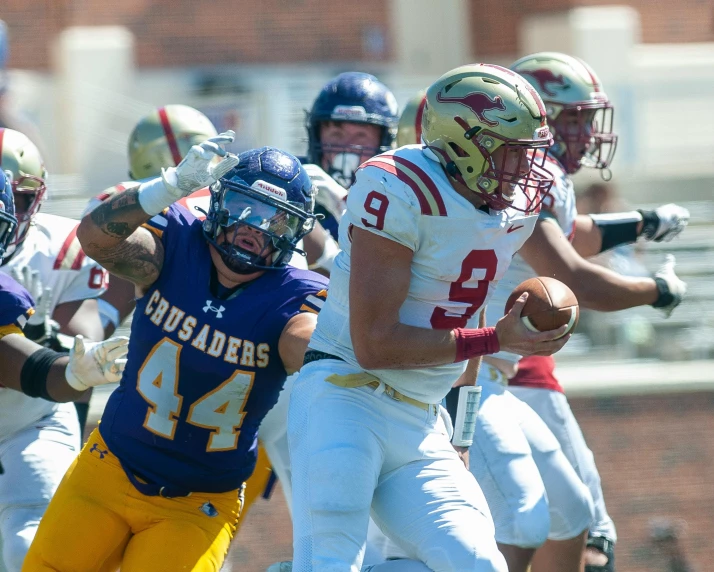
426, 233
529, 454
39, 439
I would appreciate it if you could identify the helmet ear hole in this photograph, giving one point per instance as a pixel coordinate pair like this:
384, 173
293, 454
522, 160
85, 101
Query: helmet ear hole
458, 150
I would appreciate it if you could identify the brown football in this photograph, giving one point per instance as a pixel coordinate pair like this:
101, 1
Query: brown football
550, 304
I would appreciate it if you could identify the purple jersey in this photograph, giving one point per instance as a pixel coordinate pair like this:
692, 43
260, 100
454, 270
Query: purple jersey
202, 372
16, 304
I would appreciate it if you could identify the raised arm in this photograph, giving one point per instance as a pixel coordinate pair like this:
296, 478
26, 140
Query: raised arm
112, 235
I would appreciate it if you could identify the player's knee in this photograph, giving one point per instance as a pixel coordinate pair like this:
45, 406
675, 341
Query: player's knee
479, 555
570, 519
528, 527
19, 525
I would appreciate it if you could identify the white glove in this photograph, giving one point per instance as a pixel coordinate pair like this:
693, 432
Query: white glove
40, 327
671, 288
330, 194
664, 223
194, 172
96, 363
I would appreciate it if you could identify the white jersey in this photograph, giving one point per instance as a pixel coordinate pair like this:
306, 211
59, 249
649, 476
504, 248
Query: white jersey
50, 247
558, 207
460, 254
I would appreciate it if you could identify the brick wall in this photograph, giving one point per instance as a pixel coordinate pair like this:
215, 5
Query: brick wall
186, 32
656, 458
495, 22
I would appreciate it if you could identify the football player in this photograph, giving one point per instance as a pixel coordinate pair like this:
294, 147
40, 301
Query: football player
221, 319
529, 455
427, 232
38, 438
46, 258
159, 140
353, 118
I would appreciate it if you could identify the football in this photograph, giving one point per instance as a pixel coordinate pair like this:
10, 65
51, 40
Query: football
550, 304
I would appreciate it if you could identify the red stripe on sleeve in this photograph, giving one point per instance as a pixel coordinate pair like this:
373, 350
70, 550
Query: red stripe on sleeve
404, 178
426, 180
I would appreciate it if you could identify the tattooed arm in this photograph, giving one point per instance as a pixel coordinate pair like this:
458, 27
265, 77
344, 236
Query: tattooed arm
112, 235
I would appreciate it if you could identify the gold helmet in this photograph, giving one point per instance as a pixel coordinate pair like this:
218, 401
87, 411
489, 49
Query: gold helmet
409, 130
20, 156
579, 113
162, 139
486, 124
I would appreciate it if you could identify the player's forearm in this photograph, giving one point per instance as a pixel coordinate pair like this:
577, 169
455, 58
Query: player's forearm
16, 351
599, 288
111, 223
112, 236
588, 239
403, 347
57, 385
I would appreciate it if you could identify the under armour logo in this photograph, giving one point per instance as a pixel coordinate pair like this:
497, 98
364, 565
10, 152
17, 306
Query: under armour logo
208, 509
95, 448
210, 307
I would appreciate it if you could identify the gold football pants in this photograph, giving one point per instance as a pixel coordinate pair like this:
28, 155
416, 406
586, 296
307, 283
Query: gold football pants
97, 521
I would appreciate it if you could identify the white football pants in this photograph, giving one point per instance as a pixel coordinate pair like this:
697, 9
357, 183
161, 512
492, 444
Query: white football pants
554, 410
356, 449
34, 460
532, 490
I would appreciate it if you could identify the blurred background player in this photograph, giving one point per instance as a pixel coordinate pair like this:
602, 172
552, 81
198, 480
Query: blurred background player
221, 320
534, 467
353, 118
38, 438
47, 259
409, 129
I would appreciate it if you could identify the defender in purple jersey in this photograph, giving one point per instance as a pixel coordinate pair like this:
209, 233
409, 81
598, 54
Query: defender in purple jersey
220, 321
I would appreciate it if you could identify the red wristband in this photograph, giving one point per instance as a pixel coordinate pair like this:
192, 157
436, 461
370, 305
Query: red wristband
473, 343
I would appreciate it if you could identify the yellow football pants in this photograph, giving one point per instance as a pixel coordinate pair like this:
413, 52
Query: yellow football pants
97, 521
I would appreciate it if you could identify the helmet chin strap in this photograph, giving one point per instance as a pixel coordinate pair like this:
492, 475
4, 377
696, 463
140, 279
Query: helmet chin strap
343, 167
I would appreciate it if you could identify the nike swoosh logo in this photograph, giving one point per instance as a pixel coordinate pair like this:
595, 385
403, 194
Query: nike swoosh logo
513, 228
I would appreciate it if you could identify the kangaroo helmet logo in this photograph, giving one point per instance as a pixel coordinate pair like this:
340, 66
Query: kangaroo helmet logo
209, 307
478, 102
545, 77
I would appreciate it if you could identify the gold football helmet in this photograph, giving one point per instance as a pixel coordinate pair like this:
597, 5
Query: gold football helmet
487, 125
21, 157
579, 112
409, 130
162, 139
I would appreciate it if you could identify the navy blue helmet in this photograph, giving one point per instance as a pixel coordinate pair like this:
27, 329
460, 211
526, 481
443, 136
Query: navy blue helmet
8, 222
260, 210
359, 98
